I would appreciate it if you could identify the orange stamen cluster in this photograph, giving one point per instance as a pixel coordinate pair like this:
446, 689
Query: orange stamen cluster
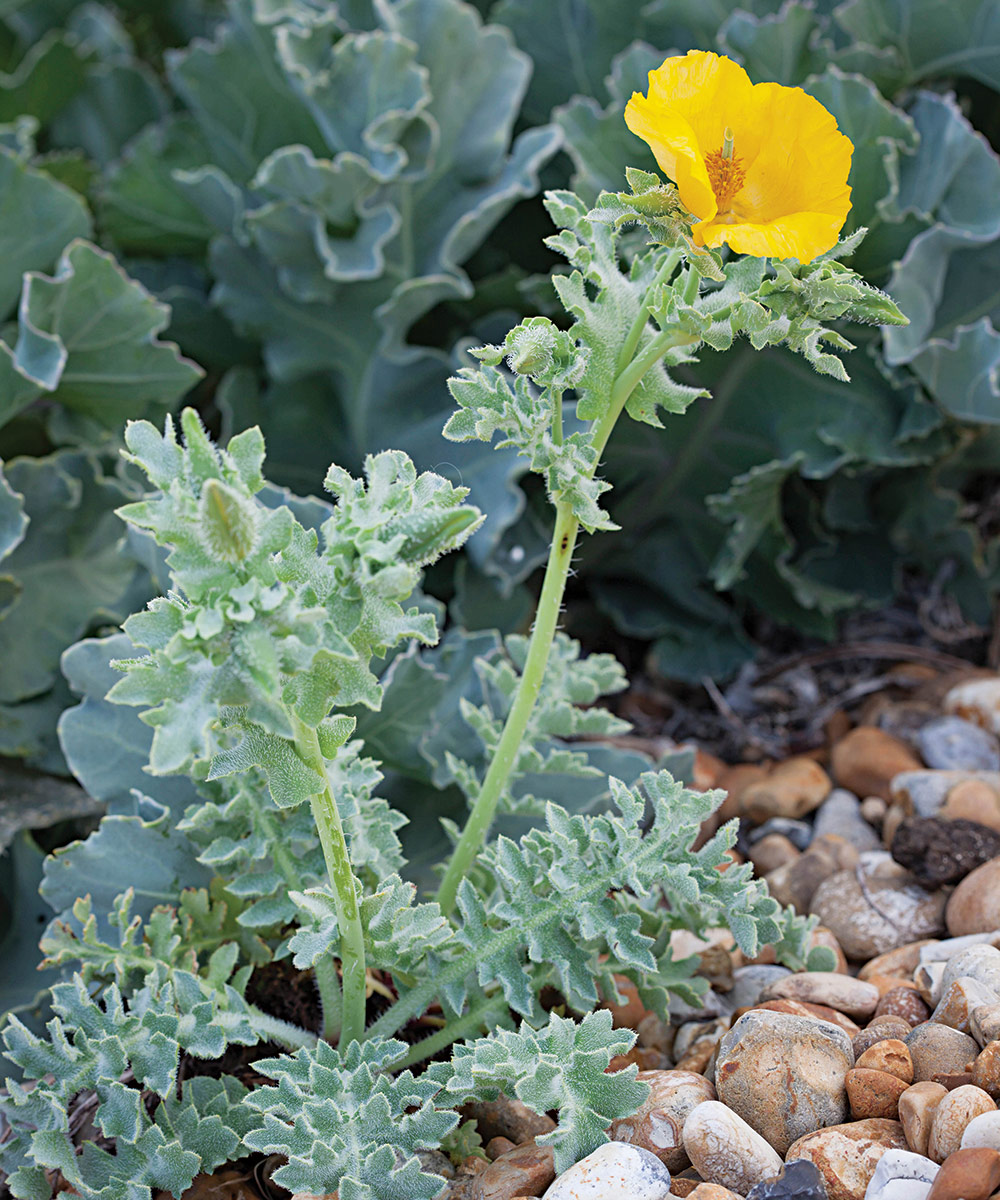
726, 175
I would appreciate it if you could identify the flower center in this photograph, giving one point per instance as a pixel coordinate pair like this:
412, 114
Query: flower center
726, 173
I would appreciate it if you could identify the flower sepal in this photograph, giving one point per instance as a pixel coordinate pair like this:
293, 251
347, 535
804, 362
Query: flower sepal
826, 289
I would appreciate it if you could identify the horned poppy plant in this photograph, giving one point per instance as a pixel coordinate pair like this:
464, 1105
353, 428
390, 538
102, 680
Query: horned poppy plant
763, 167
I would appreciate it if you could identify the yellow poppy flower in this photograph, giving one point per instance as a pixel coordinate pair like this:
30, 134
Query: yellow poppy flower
763, 167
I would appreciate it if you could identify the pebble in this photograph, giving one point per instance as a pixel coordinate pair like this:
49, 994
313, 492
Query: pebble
796, 883
851, 996
977, 700
799, 833
905, 1002
878, 1031
986, 1070
938, 852
840, 814
797, 1180
794, 788
923, 792
526, 1170
980, 961
983, 1130
869, 916
952, 1115
901, 961
784, 1075
917, 1106
817, 1012
658, 1126
891, 1055
929, 977
867, 759
939, 1050
709, 1191
847, 1155
725, 1149
873, 1093
984, 1023
612, 1171
974, 906
972, 1174
772, 852
749, 982
950, 743
973, 800
959, 999
902, 1175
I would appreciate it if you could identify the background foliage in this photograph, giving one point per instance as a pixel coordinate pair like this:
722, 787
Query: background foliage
300, 214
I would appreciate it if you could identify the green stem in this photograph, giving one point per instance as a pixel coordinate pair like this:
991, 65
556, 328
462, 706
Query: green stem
484, 1015
546, 620
325, 972
642, 319
338, 866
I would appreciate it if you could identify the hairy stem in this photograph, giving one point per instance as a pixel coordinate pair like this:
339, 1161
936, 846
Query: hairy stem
338, 866
273, 1029
546, 622
484, 1015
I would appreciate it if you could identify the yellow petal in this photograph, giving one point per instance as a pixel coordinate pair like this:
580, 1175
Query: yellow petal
803, 162
801, 235
691, 100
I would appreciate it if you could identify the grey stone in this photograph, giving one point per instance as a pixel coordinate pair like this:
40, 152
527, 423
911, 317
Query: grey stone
953, 744
947, 948
797, 1180
939, 1050
840, 814
926, 791
749, 982
799, 833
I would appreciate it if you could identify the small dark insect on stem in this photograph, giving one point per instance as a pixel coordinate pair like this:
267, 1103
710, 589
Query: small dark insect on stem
564, 543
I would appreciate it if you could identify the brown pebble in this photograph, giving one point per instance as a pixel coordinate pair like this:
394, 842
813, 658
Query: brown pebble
893, 819
974, 906
794, 788
772, 852
952, 1080
958, 1001
797, 882
710, 1191
866, 760
967, 1175
973, 800
847, 1155
917, 1106
629, 1011
524, 1171
905, 1002
873, 1093
890, 1055
902, 961
683, 1187
986, 1070
497, 1146
877, 1031
642, 1057
854, 997
697, 1057
953, 1113
873, 809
